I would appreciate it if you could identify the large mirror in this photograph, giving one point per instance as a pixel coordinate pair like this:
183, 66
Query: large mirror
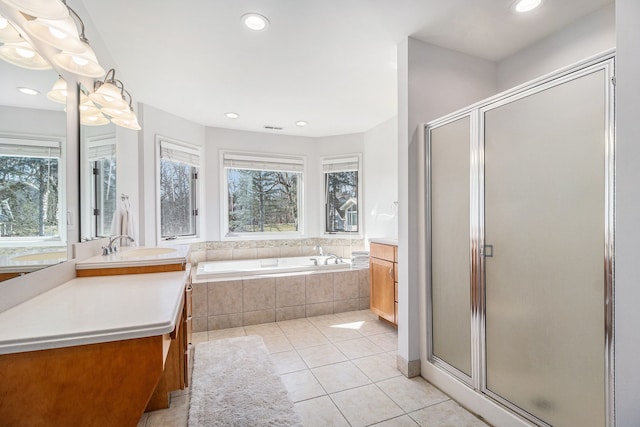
32, 172
97, 174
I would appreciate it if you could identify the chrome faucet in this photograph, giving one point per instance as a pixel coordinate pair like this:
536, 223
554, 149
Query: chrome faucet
111, 248
332, 256
319, 249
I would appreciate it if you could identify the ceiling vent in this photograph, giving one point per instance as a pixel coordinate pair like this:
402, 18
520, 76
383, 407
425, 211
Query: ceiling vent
273, 127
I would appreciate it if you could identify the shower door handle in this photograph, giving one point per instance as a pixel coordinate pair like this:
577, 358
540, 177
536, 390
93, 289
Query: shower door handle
487, 251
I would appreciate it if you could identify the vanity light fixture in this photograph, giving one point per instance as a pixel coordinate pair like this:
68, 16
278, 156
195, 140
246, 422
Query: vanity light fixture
59, 33
94, 119
232, 115
23, 55
8, 33
522, 6
46, 9
83, 64
301, 123
108, 94
28, 91
127, 123
255, 22
58, 92
81, 61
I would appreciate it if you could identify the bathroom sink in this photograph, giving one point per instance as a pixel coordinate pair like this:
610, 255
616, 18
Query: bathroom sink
145, 252
44, 256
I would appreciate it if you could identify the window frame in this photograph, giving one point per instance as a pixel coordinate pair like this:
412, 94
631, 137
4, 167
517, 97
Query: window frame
192, 151
43, 141
265, 159
337, 160
100, 144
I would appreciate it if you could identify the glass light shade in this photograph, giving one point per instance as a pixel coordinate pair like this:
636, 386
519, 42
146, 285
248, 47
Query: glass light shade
61, 34
58, 92
8, 33
83, 64
125, 114
129, 124
87, 104
109, 96
47, 9
95, 119
23, 55
527, 5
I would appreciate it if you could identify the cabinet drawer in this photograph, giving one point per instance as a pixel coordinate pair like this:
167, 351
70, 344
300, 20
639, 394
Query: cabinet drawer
386, 252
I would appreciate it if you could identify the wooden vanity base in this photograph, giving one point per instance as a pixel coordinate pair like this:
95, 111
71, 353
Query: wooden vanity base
107, 384
130, 270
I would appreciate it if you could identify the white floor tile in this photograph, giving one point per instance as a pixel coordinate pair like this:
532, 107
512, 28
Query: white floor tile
446, 414
411, 394
340, 376
302, 385
366, 405
321, 355
320, 412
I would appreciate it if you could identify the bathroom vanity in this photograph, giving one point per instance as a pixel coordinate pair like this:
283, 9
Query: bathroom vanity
96, 350
383, 276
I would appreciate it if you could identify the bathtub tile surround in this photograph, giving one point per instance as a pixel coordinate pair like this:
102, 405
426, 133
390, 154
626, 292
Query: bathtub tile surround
235, 303
252, 249
290, 291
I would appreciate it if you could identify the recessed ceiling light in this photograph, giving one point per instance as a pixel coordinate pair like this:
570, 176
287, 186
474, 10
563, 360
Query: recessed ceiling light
526, 5
232, 115
28, 91
255, 21
301, 123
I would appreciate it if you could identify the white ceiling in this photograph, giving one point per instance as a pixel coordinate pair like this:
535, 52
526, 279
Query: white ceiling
329, 62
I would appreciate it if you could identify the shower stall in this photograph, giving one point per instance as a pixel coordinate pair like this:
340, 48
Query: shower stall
520, 208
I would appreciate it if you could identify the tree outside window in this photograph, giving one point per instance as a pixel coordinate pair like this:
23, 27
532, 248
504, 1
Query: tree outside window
262, 200
341, 190
179, 166
29, 197
341, 194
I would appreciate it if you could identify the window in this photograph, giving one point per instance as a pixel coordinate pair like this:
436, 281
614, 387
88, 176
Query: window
31, 189
101, 156
179, 165
262, 194
341, 194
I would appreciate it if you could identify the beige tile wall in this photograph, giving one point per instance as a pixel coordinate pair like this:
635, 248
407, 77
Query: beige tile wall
229, 304
251, 249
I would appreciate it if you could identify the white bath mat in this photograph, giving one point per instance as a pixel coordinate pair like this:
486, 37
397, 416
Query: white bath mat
235, 384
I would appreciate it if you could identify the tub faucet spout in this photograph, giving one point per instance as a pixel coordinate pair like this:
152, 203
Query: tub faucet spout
334, 257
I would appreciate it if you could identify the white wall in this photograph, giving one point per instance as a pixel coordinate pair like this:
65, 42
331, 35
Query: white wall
586, 37
226, 139
438, 81
627, 252
380, 163
157, 122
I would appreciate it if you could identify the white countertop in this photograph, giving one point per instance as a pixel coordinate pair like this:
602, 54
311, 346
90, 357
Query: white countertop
90, 310
120, 259
393, 241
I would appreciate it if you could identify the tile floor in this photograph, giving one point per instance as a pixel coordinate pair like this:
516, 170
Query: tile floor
339, 370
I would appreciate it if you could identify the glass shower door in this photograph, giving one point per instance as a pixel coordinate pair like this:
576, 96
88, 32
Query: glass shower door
544, 219
449, 155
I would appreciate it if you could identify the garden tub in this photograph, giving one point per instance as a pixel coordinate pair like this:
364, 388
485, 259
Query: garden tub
211, 271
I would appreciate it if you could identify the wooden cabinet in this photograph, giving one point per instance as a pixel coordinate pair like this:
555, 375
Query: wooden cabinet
383, 276
176, 367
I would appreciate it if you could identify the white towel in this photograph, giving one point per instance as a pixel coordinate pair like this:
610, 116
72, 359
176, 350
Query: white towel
123, 223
